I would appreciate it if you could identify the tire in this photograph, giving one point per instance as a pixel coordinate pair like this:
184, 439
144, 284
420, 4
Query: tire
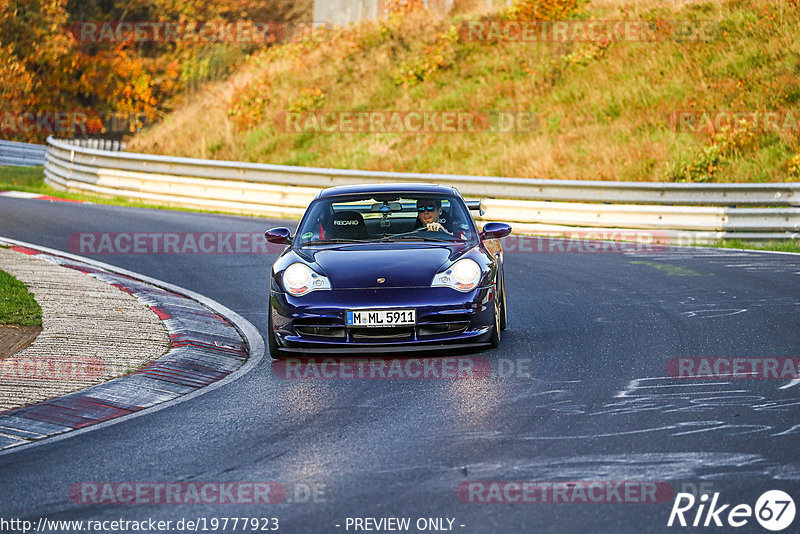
494, 341
504, 310
274, 351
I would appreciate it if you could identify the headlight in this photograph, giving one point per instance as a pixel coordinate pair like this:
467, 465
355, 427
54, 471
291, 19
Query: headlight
299, 279
463, 275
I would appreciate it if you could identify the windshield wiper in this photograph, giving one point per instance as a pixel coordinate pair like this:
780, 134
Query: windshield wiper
416, 237
332, 242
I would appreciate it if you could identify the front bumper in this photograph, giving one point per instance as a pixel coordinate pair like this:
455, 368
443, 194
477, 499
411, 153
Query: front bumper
445, 319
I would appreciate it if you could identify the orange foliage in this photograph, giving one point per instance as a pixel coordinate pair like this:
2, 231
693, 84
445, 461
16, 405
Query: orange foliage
402, 6
540, 10
44, 69
249, 105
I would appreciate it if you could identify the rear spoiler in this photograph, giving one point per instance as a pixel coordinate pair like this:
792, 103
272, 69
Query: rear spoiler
475, 205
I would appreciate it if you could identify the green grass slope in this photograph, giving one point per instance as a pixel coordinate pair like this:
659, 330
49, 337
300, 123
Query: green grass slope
602, 107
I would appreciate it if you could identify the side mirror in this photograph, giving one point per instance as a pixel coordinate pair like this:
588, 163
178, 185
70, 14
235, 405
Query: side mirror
279, 236
495, 230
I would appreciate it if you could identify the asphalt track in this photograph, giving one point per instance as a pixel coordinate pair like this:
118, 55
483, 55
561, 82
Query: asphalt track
595, 330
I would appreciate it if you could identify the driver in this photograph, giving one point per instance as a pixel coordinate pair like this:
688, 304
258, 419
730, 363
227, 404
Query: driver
429, 211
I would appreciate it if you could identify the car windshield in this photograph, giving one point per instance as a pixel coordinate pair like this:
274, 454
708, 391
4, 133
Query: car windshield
384, 218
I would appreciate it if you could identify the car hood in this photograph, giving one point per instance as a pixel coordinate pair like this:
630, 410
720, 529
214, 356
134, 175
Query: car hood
400, 265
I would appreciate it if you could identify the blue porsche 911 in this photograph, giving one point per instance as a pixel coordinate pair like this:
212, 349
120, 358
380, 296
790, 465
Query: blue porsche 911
387, 267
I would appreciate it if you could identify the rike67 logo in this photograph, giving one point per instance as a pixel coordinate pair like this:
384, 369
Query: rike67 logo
774, 510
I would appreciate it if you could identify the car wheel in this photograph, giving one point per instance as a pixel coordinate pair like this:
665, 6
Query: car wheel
494, 341
274, 351
503, 310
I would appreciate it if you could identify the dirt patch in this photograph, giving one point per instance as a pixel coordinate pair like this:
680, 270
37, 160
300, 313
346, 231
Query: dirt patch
14, 338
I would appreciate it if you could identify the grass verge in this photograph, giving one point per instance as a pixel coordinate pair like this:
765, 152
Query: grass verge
17, 305
31, 180
775, 246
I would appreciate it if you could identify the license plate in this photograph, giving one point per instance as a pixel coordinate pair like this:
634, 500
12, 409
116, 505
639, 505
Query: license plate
372, 318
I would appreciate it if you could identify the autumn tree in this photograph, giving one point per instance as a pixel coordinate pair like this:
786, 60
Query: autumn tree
44, 67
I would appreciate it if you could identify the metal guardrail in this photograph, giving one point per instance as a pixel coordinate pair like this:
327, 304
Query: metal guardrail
21, 154
29, 154
99, 144
707, 211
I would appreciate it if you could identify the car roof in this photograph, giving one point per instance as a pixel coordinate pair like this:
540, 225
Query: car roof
388, 188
